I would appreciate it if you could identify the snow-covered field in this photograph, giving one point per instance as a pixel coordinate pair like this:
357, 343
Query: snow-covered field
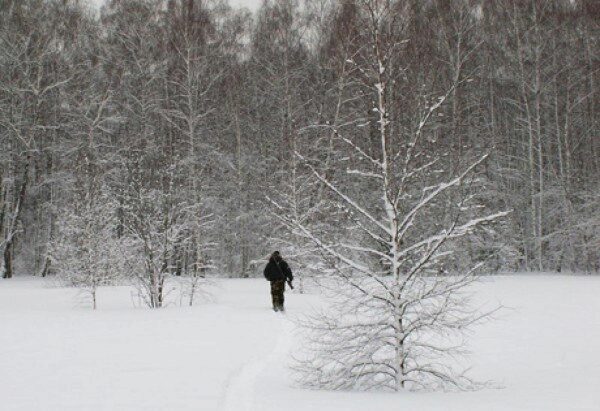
232, 354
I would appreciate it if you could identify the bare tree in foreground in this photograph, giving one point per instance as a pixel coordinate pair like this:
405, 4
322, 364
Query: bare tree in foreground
398, 309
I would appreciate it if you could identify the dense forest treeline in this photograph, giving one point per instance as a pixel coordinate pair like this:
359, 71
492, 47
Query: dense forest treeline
180, 136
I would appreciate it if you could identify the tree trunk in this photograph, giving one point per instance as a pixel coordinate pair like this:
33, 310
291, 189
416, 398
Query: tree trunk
7, 269
7, 259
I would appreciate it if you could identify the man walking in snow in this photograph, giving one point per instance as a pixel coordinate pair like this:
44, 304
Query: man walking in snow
278, 272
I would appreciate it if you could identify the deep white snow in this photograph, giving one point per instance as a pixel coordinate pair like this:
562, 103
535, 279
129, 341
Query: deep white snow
231, 354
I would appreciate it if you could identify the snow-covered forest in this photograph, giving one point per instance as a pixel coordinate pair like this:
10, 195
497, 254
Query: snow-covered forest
183, 123
392, 150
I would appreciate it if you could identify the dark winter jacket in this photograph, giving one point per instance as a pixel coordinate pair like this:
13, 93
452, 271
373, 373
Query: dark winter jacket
278, 270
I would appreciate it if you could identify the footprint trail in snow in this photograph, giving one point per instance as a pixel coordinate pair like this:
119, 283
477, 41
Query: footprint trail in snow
240, 394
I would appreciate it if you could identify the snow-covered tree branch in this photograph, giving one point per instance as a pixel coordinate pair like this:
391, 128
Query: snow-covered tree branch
398, 298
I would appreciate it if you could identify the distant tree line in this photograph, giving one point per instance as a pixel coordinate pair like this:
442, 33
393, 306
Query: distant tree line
174, 137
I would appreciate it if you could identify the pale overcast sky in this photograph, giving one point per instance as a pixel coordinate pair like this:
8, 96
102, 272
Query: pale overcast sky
251, 4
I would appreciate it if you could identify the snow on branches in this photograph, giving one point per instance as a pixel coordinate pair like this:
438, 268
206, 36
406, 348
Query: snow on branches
85, 252
399, 305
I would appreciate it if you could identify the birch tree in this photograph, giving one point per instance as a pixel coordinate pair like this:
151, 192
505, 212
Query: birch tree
33, 74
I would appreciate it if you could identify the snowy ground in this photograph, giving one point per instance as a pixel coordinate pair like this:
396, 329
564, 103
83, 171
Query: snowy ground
231, 354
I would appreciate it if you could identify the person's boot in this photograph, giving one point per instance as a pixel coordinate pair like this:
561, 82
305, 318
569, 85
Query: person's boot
275, 308
281, 308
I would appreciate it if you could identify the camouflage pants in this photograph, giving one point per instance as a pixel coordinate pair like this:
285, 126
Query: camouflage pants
277, 289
